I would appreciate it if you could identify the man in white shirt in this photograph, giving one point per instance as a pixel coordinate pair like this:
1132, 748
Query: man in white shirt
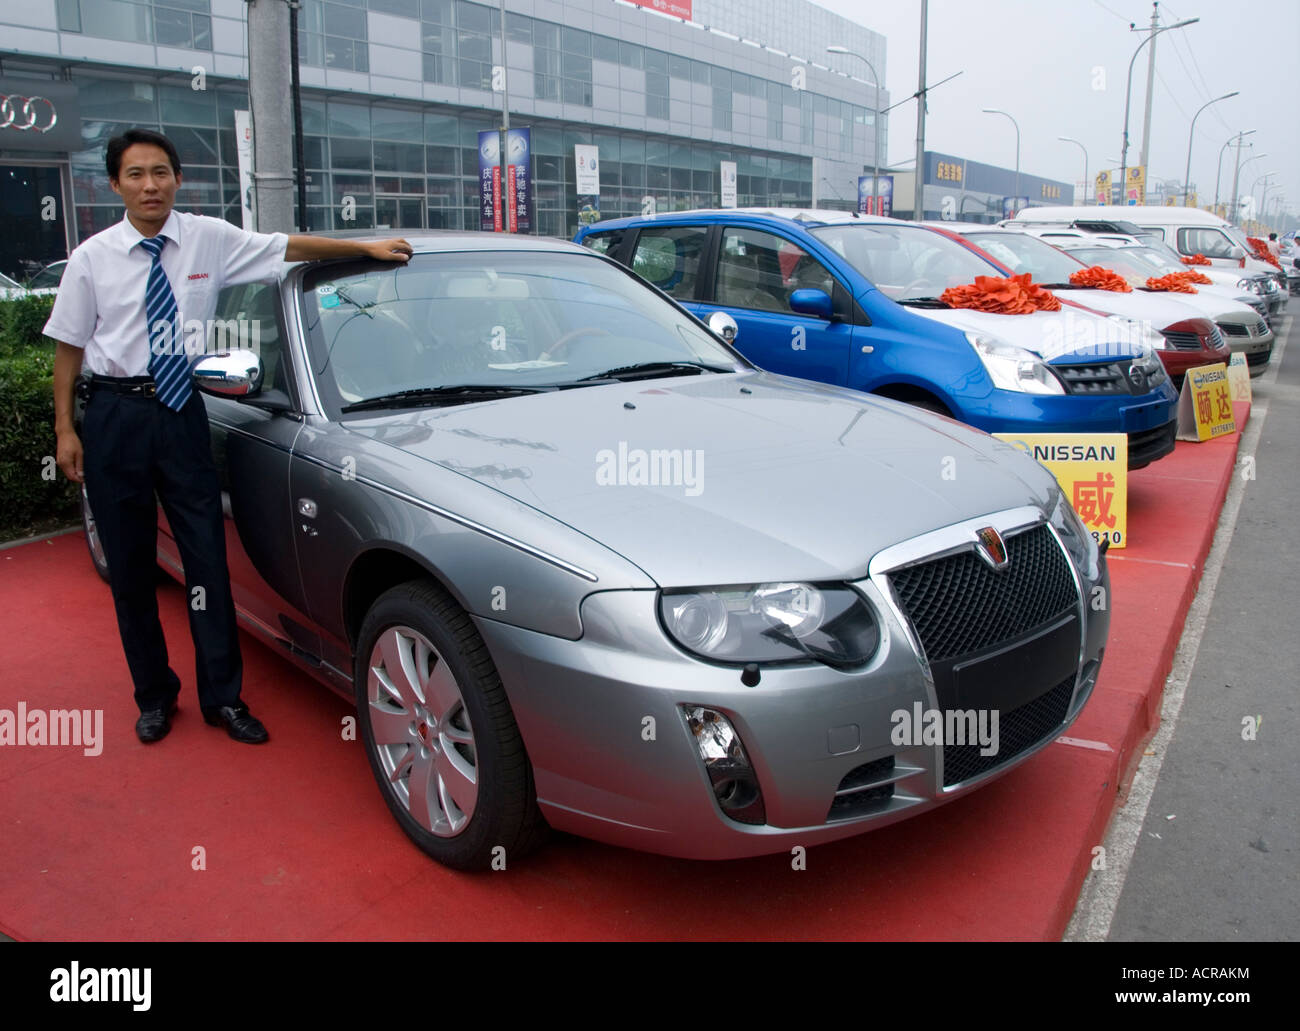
124, 299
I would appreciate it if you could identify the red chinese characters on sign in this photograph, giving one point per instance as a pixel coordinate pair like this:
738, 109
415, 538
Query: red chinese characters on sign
1092, 500
677, 8
1204, 406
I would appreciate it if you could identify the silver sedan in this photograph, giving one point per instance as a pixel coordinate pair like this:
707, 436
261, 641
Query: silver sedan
580, 565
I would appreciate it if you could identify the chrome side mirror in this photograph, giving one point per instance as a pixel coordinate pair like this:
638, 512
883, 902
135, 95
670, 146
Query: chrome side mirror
230, 374
724, 325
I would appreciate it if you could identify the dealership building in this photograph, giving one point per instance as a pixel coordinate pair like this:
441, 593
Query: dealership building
396, 92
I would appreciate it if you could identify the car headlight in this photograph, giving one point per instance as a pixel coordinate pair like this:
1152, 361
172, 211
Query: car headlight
1153, 369
1014, 368
773, 622
1077, 538
1255, 286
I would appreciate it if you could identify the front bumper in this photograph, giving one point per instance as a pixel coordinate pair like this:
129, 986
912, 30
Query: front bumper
1255, 341
603, 721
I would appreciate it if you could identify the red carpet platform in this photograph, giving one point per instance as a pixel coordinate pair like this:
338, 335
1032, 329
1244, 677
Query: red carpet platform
296, 842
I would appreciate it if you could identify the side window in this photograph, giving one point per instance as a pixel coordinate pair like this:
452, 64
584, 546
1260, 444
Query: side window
669, 257
761, 270
247, 318
1211, 242
603, 243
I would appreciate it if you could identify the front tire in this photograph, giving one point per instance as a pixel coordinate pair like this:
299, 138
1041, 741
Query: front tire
439, 733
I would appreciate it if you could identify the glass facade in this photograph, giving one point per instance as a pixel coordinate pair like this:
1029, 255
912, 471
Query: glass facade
408, 166
665, 103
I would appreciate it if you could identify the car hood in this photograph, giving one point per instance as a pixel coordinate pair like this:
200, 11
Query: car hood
1053, 335
769, 478
1159, 309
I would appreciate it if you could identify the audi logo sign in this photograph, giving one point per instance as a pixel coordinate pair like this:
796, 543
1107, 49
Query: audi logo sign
27, 113
40, 115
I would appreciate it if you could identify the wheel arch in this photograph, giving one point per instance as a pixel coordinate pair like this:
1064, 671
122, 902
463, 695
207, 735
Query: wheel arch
912, 393
378, 569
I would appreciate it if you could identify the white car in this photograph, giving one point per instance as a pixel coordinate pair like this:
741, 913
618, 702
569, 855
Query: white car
1242, 326
1188, 231
1255, 290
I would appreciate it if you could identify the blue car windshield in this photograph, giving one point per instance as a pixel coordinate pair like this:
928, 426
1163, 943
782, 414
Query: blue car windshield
489, 318
904, 262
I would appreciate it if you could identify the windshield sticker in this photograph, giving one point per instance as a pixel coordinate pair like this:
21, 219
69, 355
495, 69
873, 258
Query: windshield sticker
325, 288
330, 300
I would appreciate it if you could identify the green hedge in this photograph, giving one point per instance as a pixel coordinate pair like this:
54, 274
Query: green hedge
20, 325
34, 494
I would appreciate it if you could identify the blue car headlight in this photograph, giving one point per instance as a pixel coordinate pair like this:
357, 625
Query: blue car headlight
773, 622
1014, 368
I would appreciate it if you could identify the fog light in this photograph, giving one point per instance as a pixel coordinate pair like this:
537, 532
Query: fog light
734, 784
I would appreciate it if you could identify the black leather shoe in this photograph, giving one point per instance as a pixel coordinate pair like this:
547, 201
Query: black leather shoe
240, 724
154, 724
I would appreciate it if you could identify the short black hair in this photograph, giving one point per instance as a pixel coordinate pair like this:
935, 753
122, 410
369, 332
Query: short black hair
1272, 236
118, 144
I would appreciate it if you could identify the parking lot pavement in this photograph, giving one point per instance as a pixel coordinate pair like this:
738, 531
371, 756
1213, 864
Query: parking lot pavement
1210, 820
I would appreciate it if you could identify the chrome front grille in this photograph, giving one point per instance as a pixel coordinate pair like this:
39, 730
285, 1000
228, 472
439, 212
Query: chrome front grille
958, 604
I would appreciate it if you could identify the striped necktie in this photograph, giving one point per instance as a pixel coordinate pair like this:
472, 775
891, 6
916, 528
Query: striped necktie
168, 364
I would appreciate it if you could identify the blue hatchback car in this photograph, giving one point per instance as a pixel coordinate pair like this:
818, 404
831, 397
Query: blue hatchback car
854, 301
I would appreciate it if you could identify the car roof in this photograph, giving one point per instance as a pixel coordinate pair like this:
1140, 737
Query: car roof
1150, 214
434, 240
963, 228
794, 216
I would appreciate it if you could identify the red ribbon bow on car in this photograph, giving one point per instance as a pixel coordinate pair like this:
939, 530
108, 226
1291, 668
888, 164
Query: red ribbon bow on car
1015, 295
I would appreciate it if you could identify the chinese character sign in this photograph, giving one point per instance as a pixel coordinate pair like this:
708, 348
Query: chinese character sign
489, 181
1092, 470
1205, 404
521, 197
519, 207
875, 197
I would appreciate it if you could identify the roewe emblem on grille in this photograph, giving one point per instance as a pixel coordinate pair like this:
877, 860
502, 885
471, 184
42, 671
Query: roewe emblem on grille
989, 545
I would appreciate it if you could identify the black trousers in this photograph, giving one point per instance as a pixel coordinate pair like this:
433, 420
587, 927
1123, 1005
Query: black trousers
136, 448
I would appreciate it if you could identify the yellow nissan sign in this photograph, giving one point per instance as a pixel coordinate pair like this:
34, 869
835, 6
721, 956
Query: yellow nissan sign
1205, 404
1092, 469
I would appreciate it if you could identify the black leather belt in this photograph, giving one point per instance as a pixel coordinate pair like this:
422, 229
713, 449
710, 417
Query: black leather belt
141, 385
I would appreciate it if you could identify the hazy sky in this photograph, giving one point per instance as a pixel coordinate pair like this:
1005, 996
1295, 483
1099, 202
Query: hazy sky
1037, 60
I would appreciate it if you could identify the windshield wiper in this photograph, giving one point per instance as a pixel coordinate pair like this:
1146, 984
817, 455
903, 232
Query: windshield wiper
924, 302
432, 395
1063, 286
649, 369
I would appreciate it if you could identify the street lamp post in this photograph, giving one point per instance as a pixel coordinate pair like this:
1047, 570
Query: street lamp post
503, 136
1128, 95
1264, 193
1068, 139
996, 111
875, 80
1187, 175
1219, 173
1236, 176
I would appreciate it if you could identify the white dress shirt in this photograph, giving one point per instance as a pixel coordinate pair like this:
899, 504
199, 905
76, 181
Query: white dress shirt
100, 306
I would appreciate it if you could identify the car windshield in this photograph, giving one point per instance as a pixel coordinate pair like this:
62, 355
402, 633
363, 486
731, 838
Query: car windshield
1135, 264
1023, 253
904, 262
1240, 239
492, 319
